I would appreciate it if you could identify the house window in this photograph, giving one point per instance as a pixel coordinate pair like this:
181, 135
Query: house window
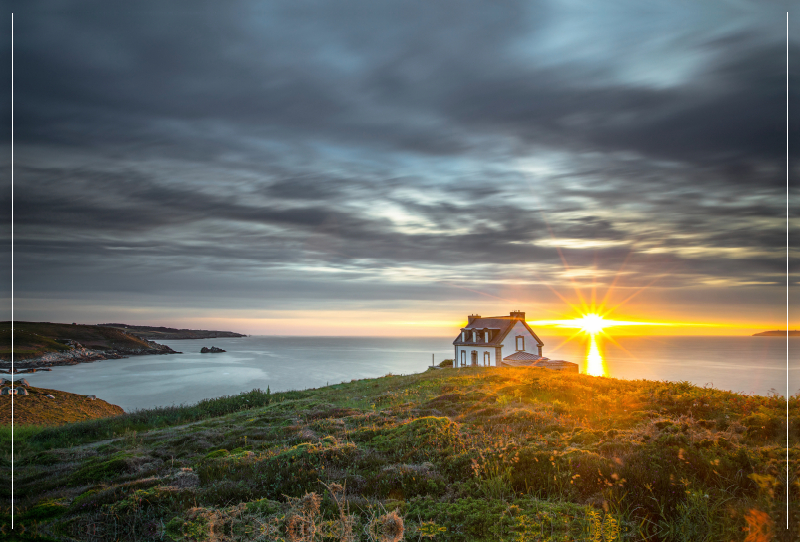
520, 343
486, 361
463, 358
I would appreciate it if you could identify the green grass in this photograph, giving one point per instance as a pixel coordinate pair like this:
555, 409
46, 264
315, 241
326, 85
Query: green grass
467, 455
144, 420
22, 436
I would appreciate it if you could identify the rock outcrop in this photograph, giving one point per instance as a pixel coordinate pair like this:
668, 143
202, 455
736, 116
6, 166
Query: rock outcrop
212, 350
79, 354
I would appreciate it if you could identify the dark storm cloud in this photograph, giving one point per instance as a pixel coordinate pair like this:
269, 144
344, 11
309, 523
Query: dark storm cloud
726, 117
267, 138
423, 86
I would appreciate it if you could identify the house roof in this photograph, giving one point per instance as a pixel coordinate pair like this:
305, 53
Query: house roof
492, 322
502, 323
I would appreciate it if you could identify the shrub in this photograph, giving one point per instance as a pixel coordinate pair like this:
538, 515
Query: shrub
98, 470
44, 510
402, 481
422, 439
289, 472
762, 426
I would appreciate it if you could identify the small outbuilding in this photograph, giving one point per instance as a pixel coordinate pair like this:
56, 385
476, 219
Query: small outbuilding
8, 391
21, 391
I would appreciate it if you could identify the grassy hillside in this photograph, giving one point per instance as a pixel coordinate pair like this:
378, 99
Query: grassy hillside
463, 455
33, 339
37, 408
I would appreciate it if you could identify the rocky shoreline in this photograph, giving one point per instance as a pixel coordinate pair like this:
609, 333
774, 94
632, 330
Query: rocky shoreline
80, 354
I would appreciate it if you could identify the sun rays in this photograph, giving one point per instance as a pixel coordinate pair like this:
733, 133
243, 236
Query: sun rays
594, 323
592, 320
591, 327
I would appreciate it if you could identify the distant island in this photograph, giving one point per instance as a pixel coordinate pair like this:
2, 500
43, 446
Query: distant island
167, 333
778, 333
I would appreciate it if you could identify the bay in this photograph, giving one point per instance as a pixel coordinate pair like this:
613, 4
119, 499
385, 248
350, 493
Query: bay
752, 365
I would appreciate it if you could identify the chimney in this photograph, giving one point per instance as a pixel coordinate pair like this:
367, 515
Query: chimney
518, 314
472, 317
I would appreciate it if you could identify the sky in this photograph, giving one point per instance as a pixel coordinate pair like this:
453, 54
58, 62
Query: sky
386, 168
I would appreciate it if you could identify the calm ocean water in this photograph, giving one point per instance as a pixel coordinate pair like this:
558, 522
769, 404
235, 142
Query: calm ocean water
742, 364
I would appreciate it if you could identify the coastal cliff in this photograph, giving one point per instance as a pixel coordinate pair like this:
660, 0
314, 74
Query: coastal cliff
44, 344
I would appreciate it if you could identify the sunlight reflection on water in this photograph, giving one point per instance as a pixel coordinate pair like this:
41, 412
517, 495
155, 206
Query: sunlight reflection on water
595, 365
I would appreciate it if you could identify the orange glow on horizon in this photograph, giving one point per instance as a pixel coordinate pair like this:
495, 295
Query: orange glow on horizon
594, 323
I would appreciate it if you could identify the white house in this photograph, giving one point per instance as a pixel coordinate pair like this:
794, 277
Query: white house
502, 341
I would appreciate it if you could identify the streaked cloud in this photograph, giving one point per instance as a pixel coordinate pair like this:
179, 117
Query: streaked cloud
360, 155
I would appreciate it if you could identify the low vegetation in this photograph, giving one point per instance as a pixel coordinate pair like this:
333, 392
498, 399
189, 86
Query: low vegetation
43, 407
456, 455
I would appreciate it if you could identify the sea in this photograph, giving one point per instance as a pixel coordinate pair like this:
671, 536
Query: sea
750, 365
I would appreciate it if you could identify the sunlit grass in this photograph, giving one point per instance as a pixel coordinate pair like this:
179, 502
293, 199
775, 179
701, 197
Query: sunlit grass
486, 454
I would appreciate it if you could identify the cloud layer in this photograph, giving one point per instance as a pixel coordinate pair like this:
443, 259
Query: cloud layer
353, 152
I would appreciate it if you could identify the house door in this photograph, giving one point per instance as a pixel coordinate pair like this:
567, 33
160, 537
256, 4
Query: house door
474, 357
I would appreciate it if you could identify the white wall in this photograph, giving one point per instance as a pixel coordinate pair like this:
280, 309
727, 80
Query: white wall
510, 342
480, 350
509, 347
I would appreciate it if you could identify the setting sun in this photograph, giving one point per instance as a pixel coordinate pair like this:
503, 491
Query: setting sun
592, 323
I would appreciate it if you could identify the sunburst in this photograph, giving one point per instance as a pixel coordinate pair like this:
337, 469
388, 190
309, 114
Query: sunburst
594, 323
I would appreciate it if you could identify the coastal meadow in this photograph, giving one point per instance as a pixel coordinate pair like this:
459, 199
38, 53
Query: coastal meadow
450, 454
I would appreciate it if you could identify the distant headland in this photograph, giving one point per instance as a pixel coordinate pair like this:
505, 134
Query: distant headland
168, 333
40, 345
778, 333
